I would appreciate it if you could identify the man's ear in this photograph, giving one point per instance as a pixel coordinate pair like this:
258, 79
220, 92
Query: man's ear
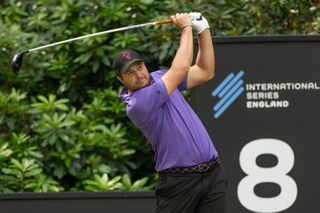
120, 79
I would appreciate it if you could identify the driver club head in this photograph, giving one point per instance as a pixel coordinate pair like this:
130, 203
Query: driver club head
17, 61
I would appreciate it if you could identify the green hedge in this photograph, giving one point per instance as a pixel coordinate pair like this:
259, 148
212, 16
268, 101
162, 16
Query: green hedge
62, 127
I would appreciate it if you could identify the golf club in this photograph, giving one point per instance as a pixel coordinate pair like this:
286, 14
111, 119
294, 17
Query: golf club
18, 58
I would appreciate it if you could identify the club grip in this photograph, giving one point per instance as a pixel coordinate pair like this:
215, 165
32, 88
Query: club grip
166, 21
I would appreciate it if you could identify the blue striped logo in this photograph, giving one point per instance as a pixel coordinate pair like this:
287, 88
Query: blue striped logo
228, 91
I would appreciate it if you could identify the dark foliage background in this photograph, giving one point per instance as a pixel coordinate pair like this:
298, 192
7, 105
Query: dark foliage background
62, 127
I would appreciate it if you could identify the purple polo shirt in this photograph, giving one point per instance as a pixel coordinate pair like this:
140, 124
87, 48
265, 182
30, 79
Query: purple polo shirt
176, 134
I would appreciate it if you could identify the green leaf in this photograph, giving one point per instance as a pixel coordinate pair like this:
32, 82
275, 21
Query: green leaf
139, 184
126, 181
43, 99
59, 171
104, 168
5, 152
33, 172
127, 152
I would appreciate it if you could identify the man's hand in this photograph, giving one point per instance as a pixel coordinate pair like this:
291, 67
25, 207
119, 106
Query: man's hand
199, 22
181, 20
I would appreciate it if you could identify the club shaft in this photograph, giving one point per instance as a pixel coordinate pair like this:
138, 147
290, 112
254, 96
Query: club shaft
99, 33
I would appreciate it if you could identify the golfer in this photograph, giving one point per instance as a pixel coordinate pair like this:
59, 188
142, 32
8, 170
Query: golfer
191, 178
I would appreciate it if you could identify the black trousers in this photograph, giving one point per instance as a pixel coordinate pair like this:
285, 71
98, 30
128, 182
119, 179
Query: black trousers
192, 193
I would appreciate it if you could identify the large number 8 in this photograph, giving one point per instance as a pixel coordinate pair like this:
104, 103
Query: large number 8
276, 174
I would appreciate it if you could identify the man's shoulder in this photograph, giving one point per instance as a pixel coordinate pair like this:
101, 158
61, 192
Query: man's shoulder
158, 73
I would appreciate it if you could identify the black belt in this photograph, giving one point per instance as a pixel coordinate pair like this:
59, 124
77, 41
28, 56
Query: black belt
200, 168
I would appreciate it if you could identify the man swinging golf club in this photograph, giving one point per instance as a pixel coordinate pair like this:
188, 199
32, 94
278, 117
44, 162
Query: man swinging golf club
191, 177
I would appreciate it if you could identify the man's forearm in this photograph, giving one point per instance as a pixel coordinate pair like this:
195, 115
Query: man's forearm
184, 53
205, 58
183, 57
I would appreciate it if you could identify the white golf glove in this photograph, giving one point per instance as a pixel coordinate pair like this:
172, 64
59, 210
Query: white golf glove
199, 22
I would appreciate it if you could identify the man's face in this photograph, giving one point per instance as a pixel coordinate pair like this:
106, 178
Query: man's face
136, 77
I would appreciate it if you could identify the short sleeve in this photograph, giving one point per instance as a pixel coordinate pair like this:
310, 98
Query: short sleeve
182, 86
